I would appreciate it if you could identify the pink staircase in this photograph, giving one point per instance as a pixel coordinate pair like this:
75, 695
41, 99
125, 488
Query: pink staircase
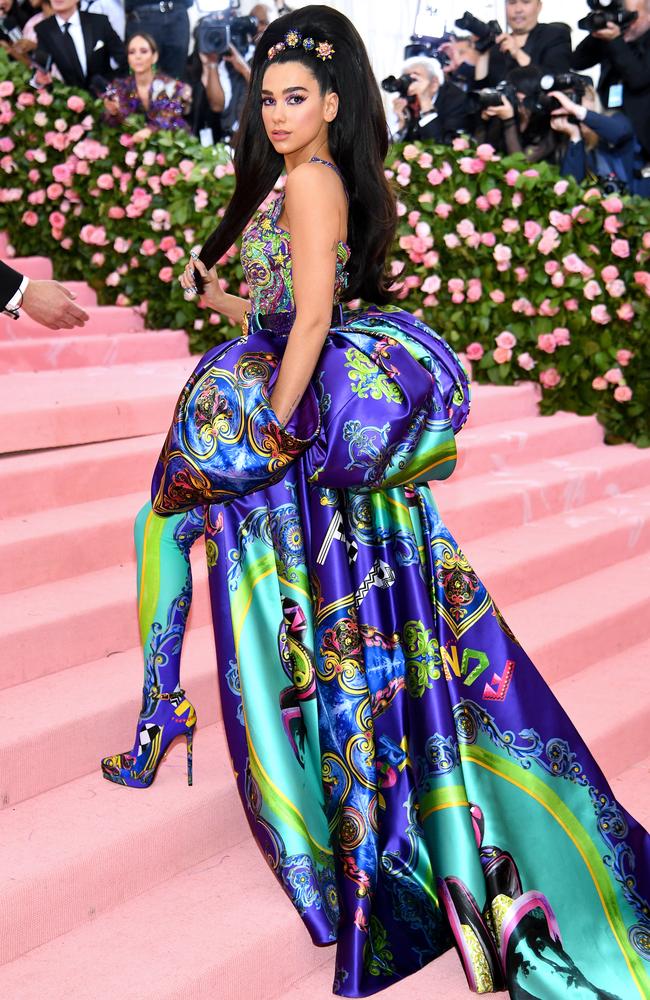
113, 892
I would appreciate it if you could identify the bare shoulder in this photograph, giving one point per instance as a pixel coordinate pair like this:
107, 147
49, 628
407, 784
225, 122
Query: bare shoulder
314, 185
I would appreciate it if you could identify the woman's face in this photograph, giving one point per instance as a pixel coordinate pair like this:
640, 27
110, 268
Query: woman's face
293, 110
140, 54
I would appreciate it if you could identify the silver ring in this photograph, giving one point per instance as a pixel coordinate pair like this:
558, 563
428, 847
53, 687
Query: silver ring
188, 293
194, 254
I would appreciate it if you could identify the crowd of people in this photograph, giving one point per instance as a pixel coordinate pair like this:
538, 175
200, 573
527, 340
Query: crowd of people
140, 57
522, 89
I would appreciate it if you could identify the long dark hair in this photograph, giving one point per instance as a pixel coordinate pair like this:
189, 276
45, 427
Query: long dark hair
358, 140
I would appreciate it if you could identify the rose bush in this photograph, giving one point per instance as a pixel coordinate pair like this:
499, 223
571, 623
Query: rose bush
531, 275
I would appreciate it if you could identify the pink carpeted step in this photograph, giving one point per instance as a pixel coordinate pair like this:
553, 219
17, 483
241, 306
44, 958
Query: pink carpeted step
38, 481
225, 916
77, 716
103, 321
80, 351
58, 625
52, 409
517, 496
61, 542
31, 267
79, 849
89, 472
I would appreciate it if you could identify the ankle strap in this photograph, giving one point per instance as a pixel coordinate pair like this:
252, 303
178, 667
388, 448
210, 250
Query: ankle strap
154, 692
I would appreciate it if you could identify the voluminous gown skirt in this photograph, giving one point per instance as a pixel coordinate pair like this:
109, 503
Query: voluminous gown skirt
408, 774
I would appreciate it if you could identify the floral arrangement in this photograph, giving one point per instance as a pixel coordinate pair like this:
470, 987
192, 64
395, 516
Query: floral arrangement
530, 275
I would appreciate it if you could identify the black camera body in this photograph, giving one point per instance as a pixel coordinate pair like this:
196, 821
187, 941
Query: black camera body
492, 97
486, 32
572, 84
218, 31
397, 85
604, 12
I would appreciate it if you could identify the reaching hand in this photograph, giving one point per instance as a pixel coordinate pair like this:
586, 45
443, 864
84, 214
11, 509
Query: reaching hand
504, 110
52, 305
608, 33
560, 123
212, 296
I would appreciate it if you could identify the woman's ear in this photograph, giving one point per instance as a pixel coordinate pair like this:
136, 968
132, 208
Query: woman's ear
331, 108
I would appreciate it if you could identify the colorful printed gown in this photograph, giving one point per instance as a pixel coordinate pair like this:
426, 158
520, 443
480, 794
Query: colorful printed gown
409, 776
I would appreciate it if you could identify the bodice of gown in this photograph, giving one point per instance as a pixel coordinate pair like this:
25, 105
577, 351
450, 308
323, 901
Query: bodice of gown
266, 260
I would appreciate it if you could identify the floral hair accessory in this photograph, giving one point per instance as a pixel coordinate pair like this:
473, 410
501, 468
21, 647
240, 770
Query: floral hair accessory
293, 39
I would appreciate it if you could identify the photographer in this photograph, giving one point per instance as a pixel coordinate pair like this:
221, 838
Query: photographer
459, 58
219, 75
623, 50
601, 147
13, 19
432, 107
545, 47
520, 122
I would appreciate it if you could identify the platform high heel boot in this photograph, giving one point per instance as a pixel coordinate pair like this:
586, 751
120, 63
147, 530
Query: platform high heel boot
164, 599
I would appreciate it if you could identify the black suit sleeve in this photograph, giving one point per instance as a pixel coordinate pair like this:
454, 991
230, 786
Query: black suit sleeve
552, 53
632, 64
589, 52
114, 45
453, 111
9, 283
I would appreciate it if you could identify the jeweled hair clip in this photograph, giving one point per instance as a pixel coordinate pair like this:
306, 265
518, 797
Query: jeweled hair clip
293, 40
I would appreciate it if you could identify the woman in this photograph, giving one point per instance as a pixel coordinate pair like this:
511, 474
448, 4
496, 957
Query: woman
406, 771
523, 126
162, 100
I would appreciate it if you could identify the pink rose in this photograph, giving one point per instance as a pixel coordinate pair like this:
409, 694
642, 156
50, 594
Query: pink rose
572, 305
616, 288
485, 152
174, 254
558, 280
624, 357
413, 218
511, 177
599, 383
474, 290
76, 103
622, 394
625, 312
422, 229
612, 204
546, 343
549, 378
572, 263
561, 336
36, 197
63, 173
592, 290
425, 160
474, 352
549, 242
560, 188
121, 245
456, 285
521, 274
621, 248
435, 177
57, 220
465, 228
98, 259
561, 221
609, 273
462, 196
54, 191
105, 182
547, 309
502, 355
510, 225
482, 203
494, 197
451, 241
614, 376
410, 152
431, 284
502, 255
526, 362
113, 279
612, 225
532, 230
458, 298
170, 176
94, 235
165, 274
506, 339
600, 315
148, 247
488, 239
34, 176
6, 88
443, 209
116, 212
497, 296
25, 100
459, 144
30, 218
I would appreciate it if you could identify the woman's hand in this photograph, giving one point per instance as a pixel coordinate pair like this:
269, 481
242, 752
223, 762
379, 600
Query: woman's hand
212, 296
504, 111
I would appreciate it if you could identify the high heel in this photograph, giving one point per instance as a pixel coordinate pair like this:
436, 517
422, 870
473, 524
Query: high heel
173, 716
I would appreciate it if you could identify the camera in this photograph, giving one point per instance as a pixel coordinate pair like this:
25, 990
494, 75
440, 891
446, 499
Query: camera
492, 97
613, 185
572, 84
604, 12
485, 32
218, 31
397, 85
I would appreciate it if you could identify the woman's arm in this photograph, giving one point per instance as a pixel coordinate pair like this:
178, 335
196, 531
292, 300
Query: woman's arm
313, 193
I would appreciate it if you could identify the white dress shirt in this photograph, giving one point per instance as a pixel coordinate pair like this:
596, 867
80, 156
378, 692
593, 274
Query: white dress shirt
76, 34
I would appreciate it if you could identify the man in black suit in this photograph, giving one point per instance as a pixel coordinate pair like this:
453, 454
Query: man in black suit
441, 106
625, 68
545, 47
46, 302
84, 47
